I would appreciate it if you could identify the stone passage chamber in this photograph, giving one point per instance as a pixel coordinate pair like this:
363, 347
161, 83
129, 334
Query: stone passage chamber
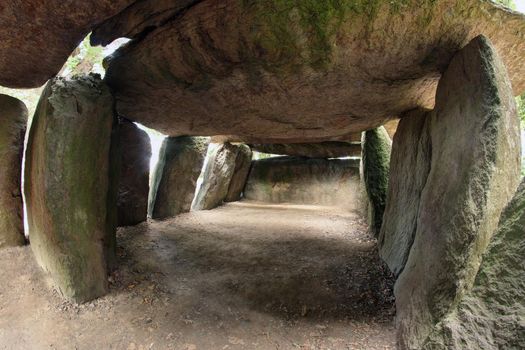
321, 86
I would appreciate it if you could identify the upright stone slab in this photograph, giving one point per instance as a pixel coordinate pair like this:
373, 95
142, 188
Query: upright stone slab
474, 172
240, 174
491, 316
67, 185
409, 167
175, 178
376, 162
133, 190
217, 176
13, 117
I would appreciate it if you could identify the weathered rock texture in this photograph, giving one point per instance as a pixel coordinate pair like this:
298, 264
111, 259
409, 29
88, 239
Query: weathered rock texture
409, 167
376, 148
175, 178
391, 127
317, 181
331, 149
133, 189
301, 69
217, 176
143, 15
474, 171
37, 36
352, 137
491, 315
13, 117
243, 163
67, 184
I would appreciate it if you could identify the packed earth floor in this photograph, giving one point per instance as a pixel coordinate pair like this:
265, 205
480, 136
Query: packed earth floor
243, 276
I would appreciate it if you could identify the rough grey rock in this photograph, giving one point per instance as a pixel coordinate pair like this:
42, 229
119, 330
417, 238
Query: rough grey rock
133, 189
491, 315
329, 149
13, 117
301, 69
217, 176
409, 167
474, 172
67, 185
376, 148
243, 163
175, 177
315, 181
29, 26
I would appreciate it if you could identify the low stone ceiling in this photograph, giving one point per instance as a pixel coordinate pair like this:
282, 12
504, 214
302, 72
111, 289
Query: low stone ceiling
37, 36
301, 70
267, 70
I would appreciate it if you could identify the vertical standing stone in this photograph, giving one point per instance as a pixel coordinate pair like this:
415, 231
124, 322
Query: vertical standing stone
175, 177
240, 174
13, 116
475, 169
67, 185
409, 169
491, 315
217, 176
133, 190
376, 148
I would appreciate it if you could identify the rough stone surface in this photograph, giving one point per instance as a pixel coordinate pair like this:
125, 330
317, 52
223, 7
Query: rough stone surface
67, 184
301, 69
133, 189
352, 137
376, 163
37, 36
491, 315
474, 172
391, 127
333, 149
217, 176
13, 117
409, 167
175, 178
141, 16
243, 163
315, 181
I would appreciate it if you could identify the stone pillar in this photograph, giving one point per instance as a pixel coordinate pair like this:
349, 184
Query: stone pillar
491, 314
175, 177
67, 185
474, 171
13, 116
133, 189
217, 176
376, 148
240, 174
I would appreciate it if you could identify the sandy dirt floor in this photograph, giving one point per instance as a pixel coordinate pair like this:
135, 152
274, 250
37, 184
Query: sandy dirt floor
243, 276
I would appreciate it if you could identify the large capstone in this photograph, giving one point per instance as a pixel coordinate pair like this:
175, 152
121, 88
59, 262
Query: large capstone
297, 180
133, 189
300, 69
67, 185
474, 171
491, 315
13, 117
376, 163
217, 176
328, 149
240, 174
37, 36
175, 177
409, 167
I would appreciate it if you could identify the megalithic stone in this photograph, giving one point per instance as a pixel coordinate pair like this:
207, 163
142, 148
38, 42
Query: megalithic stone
68, 185
474, 171
175, 178
376, 145
243, 163
133, 189
13, 117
